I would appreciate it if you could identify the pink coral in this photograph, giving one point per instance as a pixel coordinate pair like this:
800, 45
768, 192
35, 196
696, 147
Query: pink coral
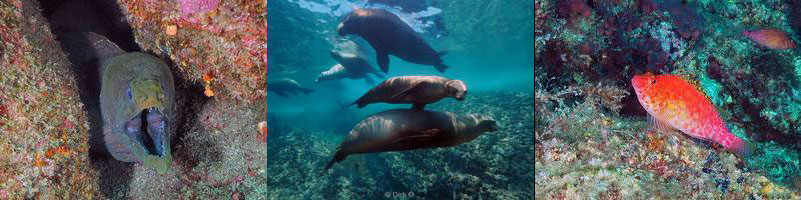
189, 7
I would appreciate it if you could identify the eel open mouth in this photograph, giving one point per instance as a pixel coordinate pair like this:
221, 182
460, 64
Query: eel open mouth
149, 129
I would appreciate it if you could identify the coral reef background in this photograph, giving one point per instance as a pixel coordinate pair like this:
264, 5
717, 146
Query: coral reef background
592, 138
219, 152
43, 127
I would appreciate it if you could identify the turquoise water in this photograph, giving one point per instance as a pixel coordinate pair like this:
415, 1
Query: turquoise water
489, 48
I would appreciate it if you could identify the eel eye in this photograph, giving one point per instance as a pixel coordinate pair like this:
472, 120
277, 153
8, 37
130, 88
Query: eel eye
130, 94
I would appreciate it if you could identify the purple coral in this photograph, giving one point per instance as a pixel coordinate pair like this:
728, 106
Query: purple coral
189, 7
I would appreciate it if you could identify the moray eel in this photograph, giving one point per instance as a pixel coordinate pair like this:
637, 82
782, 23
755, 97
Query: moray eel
137, 99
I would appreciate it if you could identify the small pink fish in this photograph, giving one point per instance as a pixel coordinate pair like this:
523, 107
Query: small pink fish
771, 38
675, 103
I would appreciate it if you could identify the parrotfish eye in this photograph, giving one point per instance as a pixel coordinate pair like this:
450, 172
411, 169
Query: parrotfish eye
653, 81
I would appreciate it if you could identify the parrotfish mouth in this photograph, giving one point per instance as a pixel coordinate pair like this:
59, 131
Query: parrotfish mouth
148, 128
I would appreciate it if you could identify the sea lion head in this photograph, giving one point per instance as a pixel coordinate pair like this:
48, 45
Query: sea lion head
457, 89
471, 126
354, 19
486, 123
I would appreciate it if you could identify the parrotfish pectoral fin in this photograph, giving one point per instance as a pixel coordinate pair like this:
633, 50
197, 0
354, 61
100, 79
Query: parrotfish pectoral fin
659, 125
743, 149
383, 61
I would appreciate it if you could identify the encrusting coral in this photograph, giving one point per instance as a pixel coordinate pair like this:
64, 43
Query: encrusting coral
43, 125
221, 44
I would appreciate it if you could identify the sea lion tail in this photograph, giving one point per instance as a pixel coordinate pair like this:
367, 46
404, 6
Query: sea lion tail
441, 67
339, 156
306, 90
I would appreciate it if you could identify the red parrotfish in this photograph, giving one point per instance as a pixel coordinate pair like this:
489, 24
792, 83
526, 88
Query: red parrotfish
771, 38
674, 103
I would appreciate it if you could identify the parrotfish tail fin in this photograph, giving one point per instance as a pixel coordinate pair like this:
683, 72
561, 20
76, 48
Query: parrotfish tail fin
339, 156
742, 148
441, 67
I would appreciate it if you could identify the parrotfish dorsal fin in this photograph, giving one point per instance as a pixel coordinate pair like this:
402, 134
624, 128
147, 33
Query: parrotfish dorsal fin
693, 80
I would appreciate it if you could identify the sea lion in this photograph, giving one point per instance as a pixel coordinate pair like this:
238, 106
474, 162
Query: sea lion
417, 90
388, 34
285, 86
416, 6
137, 99
350, 66
405, 129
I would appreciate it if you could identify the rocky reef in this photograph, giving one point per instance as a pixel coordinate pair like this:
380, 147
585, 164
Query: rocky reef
496, 165
221, 44
43, 145
220, 156
592, 135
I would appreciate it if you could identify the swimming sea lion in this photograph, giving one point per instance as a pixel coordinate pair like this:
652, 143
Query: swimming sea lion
417, 90
405, 129
351, 66
415, 6
285, 86
388, 34
137, 99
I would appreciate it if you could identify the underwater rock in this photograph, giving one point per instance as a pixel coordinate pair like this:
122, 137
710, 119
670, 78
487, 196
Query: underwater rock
754, 90
481, 168
407, 129
225, 39
416, 90
220, 154
43, 145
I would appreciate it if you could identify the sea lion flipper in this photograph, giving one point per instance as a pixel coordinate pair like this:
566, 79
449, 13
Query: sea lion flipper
420, 137
408, 91
382, 58
339, 156
369, 80
418, 106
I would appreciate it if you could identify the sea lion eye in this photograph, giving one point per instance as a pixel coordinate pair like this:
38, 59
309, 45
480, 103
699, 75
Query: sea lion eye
130, 94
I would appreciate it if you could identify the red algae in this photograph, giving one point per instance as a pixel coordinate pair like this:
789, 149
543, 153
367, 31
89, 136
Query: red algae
224, 38
44, 124
770, 38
